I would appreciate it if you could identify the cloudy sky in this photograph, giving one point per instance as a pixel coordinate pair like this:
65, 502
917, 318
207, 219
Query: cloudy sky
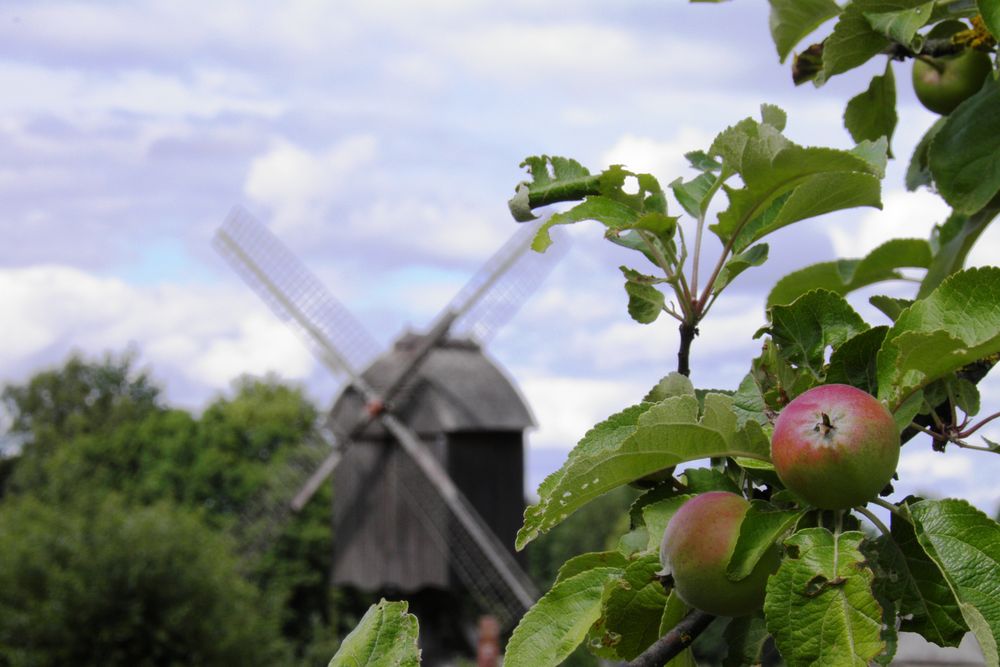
380, 140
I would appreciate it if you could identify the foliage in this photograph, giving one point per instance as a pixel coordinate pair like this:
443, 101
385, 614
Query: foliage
840, 592
101, 583
90, 429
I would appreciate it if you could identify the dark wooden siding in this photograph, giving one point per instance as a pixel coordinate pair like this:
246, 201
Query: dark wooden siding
381, 541
488, 467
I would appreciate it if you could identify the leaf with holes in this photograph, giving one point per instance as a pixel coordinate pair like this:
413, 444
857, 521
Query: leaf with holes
385, 637
819, 607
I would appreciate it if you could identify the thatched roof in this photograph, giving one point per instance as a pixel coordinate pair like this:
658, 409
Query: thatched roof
457, 388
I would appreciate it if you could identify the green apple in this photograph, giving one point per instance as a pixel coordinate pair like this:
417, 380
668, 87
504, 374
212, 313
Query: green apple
942, 83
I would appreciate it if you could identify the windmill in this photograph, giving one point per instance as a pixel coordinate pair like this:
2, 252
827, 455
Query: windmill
380, 439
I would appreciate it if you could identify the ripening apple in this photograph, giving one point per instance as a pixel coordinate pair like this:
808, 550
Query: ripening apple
697, 546
835, 446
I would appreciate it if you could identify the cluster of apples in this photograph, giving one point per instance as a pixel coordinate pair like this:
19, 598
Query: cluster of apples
834, 446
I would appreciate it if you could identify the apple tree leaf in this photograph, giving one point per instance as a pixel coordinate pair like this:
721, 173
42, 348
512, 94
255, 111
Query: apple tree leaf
744, 638
872, 114
892, 307
672, 384
853, 41
763, 525
820, 603
965, 154
805, 328
633, 608
956, 324
560, 620
590, 561
990, 11
965, 545
926, 603
755, 255
784, 183
855, 361
553, 179
386, 636
645, 302
792, 20
656, 516
635, 443
919, 171
846, 275
901, 25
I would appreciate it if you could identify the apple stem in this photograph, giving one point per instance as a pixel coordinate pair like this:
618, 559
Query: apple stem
825, 426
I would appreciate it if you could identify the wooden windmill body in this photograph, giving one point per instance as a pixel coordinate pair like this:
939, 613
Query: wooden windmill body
427, 452
472, 420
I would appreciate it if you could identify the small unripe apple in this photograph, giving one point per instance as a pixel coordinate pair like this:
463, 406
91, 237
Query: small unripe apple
697, 546
835, 446
942, 83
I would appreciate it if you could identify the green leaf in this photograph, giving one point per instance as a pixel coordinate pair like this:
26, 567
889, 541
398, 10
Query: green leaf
673, 384
656, 516
634, 606
748, 403
958, 323
737, 264
673, 613
965, 544
846, 275
855, 362
803, 329
919, 171
990, 11
853, 41
385, 637
784, 183
792, 20
553, 179
953, 240
693, 195
744, 637
763, 525
645, 302
703, 480
590, 561
902, 25
872, 114
965, 154
819, 606
891, 306
635, 443
558, 622
926, 604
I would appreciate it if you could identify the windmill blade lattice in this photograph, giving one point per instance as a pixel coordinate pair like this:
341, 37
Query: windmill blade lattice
294, 293
497, 291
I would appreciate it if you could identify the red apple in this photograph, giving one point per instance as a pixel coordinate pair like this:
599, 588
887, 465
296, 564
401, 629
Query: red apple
697, 546
835, 446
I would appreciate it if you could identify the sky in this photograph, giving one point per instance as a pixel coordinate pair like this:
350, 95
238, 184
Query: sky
380, 140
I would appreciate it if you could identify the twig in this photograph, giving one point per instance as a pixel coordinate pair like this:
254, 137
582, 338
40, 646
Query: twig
688, 332
892, 508
874, 519
664, 649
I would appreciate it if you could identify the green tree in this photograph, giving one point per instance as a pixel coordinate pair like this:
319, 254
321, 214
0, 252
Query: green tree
102, 583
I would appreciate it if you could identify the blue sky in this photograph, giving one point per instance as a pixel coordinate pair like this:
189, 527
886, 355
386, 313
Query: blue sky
381, 140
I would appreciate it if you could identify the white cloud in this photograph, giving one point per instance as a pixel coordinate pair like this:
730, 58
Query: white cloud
299, 185
904, 215
73, 93
205, 336
664, 159
568, 407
